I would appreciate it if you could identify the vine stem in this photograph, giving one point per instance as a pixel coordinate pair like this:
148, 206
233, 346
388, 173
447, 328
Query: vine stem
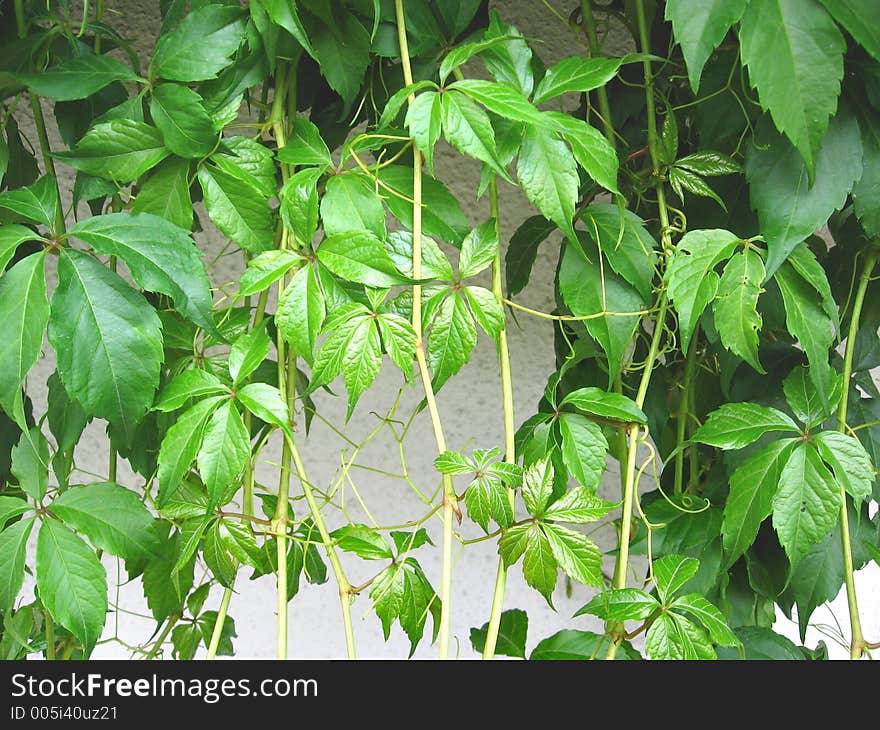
450, 501
50, 635
509, 425
622, 564
154, 650
681, 418
589, 23
218, 624
857, 641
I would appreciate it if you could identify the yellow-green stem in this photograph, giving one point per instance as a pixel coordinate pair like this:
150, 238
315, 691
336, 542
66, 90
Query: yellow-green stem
218, 623
169, 624
509, 426
857, 640
589, 23
681, 418
450, 503
50, 634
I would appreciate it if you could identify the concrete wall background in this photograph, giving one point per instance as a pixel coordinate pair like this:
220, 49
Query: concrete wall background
469, 403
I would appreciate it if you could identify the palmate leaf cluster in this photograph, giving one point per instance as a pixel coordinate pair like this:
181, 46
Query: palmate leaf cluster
710, 206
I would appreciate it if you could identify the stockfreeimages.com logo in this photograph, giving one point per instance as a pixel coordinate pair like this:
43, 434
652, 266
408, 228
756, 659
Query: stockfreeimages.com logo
208, 690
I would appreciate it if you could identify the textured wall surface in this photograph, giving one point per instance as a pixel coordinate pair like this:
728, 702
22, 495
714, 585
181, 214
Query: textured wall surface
471, 408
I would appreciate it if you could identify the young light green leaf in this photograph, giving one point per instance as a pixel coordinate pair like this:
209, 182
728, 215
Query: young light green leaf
11, 236
576, 554
179, 113
201, 46
224, 451
112, 517
265, 269
794, 53
266, 403
583, 448
671, 572
486, 499
478, 249
512, 630
30, 463
352, 205
299, 204
72, 582
181, 445
165, 193
549, 178
699, 29
509, 60
305, 146
690, 278
452, 462
486, 310
752, 488
285, 14
361, 360
735, 425
452, 338
539, 565
578, 505
709, 616
424, 120
78, 78
735, 307
622, 604
576, 74
217, 556
160, 256
249, 161
194, 383
805, 401
399, 98
37, 202
24, 312
362, 258
572, 645
850, 462
301, 311
399, 340
246, 354
108, 341
238, 210
807, 503
121, 150
537, 486
11, 507
362, 541
467, 128
663, 639
613, 406
13, 548
502, 99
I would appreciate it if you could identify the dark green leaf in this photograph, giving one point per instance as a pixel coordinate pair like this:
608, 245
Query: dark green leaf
351, 205
238, 210
37, 202
569, 644
13, 547
165, 193
266, 403
511, 639
180, 115
188, 384
305, 146
467, 128
735, 425
735, 307
576, 74
522, 249
265, 269
859, 17
613, 406
30, 463
805, 401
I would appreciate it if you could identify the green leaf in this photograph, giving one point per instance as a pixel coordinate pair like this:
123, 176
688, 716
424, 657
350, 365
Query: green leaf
399, 98
866, 192
752, 488
569, 644
305, 146
582, 286
238, 210
806, 320
37, 202
807, 503
247, 353
424, 120
165, 193
522, 250
241, 544
24, 312
501, 99
362, 258
735, 425
709, 163
30, 463
709, 616
399, 340
674, 637
513, 628
11, 236
72, 582
11, 507
859, 17
112, 517
299, 204
761, 643
218, 558
107, 339
224, 452
467, 128
402, 592
850, 462
549, 177
789, 207
537, 486
794, 53
576, 74
804, 261
462, 54
583, 448
206, 623
478, 249
578, 505
13, 548
361, 360
188, 384
179, 113
77, 78
699, 29
351, 205
576, 554
181, 444
671, 572
160, 256
452, 462
735, 307
266, 403
249, 161
405, 542
486, 499
510, 60
539, 564
362, 541
613, 406
165, 589
342, 50
121, 150
690, 278
300, 312
452, 338
265, 269
486, 309
622, 604
681, 179
201, 46
284, 13
805, 401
